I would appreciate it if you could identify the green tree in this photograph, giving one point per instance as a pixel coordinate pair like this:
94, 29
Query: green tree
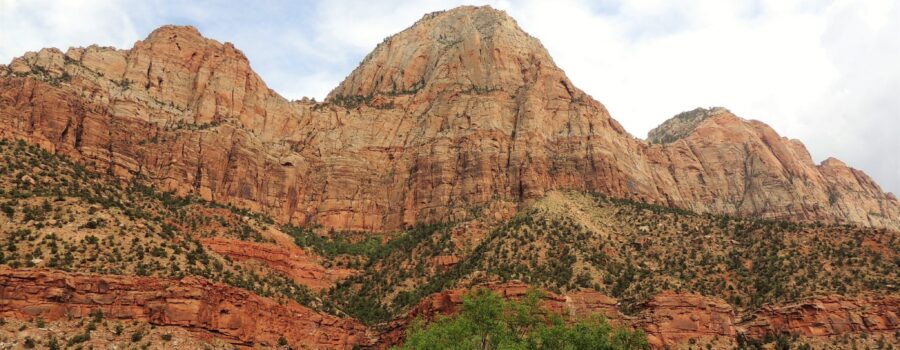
487, 321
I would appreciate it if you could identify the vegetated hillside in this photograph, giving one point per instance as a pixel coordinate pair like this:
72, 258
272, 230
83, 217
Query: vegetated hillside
58, 215
99, 332
632, 251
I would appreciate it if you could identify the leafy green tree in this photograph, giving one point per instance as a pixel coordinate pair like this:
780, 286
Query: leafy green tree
487, 321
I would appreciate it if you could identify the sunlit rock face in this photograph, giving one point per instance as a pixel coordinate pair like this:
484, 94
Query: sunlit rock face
459, 111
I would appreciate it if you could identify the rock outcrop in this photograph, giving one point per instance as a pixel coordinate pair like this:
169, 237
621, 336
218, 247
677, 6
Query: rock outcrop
827, 316
461, 110
681, 125
672, 318
235, 315
290, 260
746, 168
243, 318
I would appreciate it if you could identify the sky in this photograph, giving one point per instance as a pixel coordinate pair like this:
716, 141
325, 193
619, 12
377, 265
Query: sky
825, 72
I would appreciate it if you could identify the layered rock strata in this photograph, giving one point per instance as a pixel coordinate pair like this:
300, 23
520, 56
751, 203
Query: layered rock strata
672, 319
828, 316
216, 310
296, 263
461, 110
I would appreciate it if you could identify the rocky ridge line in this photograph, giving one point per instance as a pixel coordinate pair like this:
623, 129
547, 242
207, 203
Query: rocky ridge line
459, 111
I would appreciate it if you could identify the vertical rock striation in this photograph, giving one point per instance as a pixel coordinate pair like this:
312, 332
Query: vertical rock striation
461, 110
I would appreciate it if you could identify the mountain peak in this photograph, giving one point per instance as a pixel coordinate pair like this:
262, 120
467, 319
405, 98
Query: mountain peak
182, 39
463, 49
468, 10
171, 31
682, 124
463, 109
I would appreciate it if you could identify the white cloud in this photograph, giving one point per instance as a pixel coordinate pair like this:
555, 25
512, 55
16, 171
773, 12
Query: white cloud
822, 71
32, 25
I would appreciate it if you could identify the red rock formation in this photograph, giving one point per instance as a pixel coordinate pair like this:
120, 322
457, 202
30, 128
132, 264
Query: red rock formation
827, 316
461, 110
672, 318
581, 303
748, 169
244, 318
233, 314
292, 261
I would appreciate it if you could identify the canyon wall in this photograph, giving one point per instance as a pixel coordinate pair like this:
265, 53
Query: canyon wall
461, 110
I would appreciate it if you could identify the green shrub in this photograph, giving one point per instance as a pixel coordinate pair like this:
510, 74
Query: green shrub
97, 315
52, 344
487, 321
79, 338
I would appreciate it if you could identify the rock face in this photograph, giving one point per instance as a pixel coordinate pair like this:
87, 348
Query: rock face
292, 261
828, 316
681, 125
461, 110
235, 315
671, 318
746, 168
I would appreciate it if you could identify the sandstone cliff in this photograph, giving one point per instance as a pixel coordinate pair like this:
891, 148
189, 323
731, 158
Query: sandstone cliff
746, 168
827, 316
460, 110
672, 318
235, 315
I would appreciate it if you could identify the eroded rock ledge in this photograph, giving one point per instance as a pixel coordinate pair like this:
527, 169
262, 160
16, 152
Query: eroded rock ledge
244, 318
827, 316
672, 318
302, 267
211, 309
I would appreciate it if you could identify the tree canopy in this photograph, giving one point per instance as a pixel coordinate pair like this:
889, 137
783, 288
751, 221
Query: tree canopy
487, 321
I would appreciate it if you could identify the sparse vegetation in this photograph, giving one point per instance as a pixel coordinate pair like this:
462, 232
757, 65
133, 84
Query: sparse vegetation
351, 101
59, 214
632, 251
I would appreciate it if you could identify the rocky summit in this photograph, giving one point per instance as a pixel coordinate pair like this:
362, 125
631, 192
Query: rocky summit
457, 154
